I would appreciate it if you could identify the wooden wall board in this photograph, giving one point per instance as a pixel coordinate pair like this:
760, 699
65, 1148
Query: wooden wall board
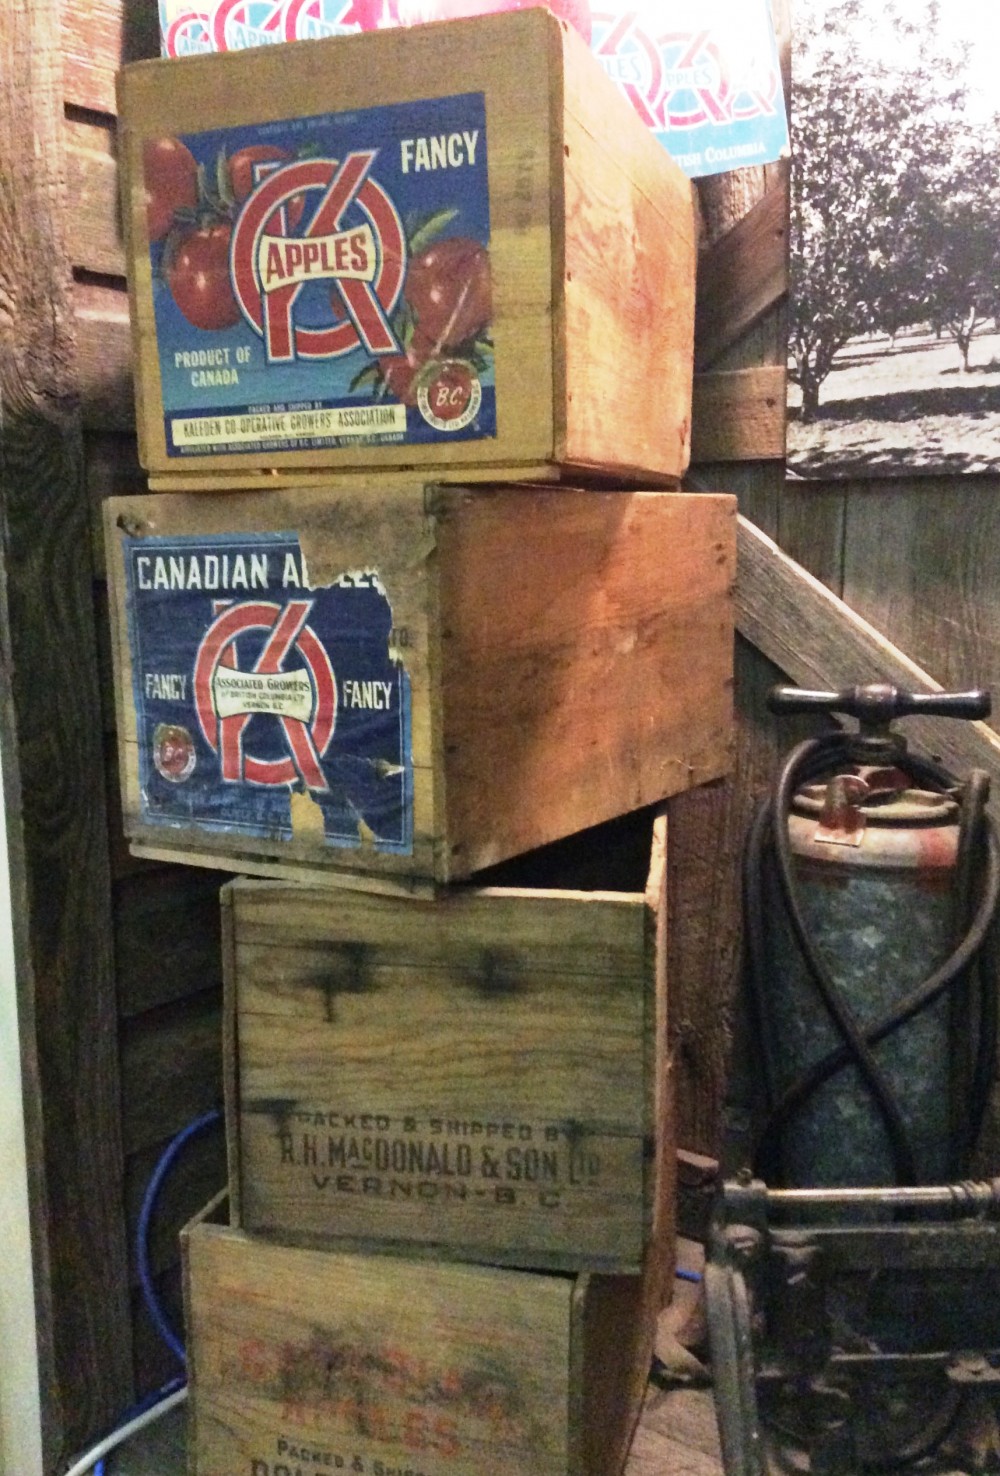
158, 1098
153, 1362
93, 222
920, 563
103, 356
708, 828
122, 861
739, 415
53, 776
742, 282
726, 198
96, 39
811, 529
105, 675
821, 643
113, 470
758, 487
741, 276
197, 1174
167, 937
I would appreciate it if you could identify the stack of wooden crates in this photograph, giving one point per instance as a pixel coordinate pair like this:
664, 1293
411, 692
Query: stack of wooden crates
378, 632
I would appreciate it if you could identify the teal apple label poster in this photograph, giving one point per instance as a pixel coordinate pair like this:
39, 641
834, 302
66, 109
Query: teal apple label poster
702, 75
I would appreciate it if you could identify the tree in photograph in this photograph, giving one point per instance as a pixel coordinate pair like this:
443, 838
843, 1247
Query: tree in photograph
955, 249
872, 138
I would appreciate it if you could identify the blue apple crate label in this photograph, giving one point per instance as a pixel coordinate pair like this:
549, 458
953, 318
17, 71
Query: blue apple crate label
324, 281
258, 697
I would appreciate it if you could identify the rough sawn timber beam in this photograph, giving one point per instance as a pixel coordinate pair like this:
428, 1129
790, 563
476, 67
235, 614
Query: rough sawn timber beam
53, 772
822, 644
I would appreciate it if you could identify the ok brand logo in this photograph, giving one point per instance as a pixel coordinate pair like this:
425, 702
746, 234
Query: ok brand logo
237, 24
366, 260
306, 20
304, 701
189, 33
678, 80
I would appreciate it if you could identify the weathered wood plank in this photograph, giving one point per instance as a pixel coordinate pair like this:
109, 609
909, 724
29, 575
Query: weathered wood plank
97, 39
726, 198
104, 356
708, 828
167, 937
742, 275
938, 597
811, 529
153, 1361
171, 1068
105, 676
756, 485
93, 223
196, 1175
53, 771
113, 470
821, 643
739, 415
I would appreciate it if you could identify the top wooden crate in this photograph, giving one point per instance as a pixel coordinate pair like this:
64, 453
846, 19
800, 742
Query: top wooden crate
363, 194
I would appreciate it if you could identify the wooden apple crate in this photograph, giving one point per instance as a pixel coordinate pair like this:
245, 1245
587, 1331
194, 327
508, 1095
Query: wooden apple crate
403, 686
591, 241
484, 1075
306, 1360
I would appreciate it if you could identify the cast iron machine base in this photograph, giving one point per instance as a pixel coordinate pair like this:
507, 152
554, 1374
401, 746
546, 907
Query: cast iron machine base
847, 1325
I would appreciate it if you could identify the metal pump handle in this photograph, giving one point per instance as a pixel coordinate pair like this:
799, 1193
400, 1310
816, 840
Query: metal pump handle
878, 704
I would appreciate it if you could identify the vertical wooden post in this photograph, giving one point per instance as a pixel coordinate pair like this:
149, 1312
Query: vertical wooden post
53, 773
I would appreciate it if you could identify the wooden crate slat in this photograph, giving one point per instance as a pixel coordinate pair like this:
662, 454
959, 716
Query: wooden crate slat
522, 1371
545, 635
539, 1012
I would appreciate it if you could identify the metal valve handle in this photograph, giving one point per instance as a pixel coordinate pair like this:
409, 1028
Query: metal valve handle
878, 704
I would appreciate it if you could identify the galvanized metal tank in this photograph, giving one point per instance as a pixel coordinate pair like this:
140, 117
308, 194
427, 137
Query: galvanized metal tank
874, 863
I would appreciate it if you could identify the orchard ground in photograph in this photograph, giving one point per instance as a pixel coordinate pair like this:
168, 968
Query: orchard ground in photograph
903, 405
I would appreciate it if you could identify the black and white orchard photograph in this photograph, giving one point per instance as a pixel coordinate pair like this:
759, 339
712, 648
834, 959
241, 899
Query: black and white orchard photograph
894, 310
